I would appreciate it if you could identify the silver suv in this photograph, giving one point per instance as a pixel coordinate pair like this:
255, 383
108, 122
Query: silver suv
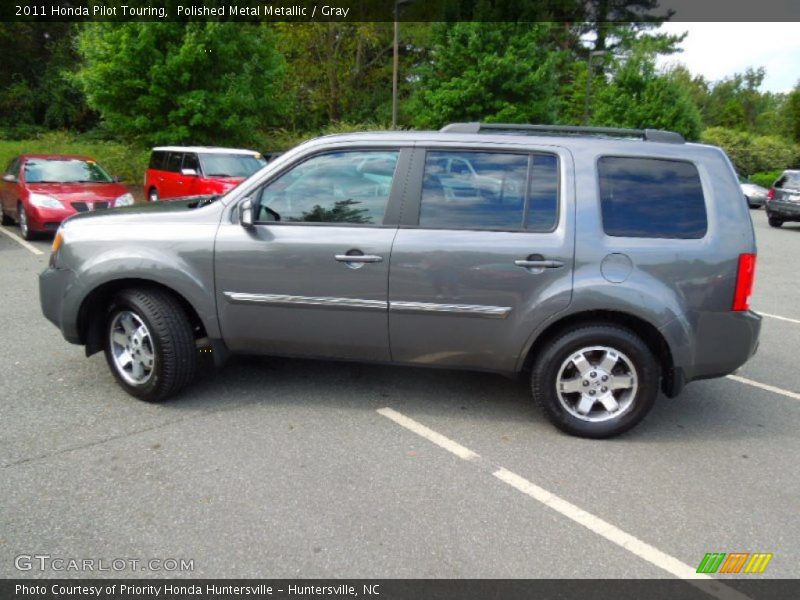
603, 264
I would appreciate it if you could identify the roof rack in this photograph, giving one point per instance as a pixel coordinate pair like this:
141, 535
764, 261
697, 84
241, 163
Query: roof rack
649, 135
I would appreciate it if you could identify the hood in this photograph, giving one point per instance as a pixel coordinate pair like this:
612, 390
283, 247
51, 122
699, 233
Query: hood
172, 211
80, 192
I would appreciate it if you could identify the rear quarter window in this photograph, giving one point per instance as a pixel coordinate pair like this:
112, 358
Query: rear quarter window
157, 160
652, 198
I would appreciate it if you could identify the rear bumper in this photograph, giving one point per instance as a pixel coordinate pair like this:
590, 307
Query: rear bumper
788, 211
723, 343
54, 287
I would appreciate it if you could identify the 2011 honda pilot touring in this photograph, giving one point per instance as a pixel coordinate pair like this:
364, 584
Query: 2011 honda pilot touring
603, 264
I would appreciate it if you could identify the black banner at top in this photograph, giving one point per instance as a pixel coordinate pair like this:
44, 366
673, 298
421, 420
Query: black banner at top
258, 11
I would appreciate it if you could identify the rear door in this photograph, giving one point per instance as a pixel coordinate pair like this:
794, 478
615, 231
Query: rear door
310, 277
484, 255
171, 178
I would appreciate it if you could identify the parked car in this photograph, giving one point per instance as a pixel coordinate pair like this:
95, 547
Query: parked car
755, 195
603, 267
39, 191
783, 200
178, 171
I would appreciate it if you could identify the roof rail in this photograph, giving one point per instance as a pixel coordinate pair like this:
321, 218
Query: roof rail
650, 135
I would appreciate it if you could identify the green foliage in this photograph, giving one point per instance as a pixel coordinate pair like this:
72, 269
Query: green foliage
765, 179
753, 154
122, 160
638, 96
197, 82
501, 72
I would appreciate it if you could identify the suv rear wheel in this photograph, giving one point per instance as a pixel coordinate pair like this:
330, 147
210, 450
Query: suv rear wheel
152, 195
150, 346
597, 381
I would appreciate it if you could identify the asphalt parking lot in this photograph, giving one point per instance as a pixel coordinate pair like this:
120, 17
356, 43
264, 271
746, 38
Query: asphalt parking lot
290, 468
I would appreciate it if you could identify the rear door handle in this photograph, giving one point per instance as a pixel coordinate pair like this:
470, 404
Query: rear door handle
539, 264
359, 258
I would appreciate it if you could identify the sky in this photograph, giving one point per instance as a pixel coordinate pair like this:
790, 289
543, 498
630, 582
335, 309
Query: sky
717, 50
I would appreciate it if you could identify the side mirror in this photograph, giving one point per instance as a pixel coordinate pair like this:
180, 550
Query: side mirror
246, 213
9, 178
189, 172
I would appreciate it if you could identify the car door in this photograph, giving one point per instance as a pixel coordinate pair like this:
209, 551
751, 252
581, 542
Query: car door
310, 276
191, 184
479, 264
9, 190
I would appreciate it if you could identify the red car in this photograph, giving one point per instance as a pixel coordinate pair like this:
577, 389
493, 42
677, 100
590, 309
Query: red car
178, 171
39, 191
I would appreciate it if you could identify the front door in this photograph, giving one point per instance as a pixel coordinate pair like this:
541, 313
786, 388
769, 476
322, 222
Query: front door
310, 277
484, 255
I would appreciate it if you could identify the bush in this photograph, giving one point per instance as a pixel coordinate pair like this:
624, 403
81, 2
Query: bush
765, 179
118, 159
753, 154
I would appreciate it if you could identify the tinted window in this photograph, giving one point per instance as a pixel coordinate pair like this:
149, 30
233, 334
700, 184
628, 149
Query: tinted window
473, 190
341, 187
645, 197
158, 160
174, 162
543, 193
13, 168
190, 162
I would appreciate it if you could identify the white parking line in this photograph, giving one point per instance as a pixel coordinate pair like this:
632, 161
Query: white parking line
429, 434
787, 319
614, 534
20, 241
765, 386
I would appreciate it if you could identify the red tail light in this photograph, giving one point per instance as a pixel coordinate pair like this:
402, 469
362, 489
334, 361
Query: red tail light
744, 282
771, 194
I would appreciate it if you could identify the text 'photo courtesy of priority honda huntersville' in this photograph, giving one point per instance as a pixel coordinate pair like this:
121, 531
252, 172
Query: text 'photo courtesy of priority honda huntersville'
602, 265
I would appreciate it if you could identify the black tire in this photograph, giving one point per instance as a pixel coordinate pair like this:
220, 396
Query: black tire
774, 221
173, 343
152, 195
548, 365
6, 219
24, 228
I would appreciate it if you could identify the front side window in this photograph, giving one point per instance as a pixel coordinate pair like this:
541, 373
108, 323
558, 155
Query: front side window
13, 167
649, 197
64, 171
340, 187
489, 190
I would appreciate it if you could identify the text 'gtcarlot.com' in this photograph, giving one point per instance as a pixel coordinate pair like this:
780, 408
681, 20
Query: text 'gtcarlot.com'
46, 562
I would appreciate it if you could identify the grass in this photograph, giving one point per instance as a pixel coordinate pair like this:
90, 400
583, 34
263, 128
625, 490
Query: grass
120, 160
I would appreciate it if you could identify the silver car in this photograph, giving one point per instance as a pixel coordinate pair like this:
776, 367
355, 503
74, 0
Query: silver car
602, 265
755, 194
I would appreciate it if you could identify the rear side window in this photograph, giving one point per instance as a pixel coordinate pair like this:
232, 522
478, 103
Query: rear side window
489, 190
655, 198
174, 162
157, 160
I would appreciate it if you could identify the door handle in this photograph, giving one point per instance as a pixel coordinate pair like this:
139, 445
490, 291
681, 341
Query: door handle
358, 258
539, 264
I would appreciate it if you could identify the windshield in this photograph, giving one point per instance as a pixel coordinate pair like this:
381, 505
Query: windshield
41, 170
231, 165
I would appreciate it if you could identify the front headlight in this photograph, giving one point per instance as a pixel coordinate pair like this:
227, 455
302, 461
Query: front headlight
124, 200
44, 201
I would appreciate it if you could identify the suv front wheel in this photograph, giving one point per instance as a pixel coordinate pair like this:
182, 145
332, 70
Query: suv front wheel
597, 381
150, 346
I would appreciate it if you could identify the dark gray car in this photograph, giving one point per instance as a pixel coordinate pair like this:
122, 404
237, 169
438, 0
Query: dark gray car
783, 203
605, 265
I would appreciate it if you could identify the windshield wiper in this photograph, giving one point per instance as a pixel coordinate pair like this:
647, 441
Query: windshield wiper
221, 175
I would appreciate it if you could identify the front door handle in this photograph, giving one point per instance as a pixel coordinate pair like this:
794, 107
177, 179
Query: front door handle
539, 264
358, 258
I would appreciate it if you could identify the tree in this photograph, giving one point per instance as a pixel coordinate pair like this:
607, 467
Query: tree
197, 82
640, 97
753, 154
488, 71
